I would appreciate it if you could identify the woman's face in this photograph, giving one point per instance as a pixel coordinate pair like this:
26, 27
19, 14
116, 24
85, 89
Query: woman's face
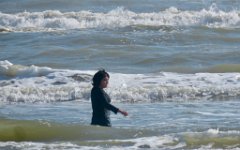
104, 82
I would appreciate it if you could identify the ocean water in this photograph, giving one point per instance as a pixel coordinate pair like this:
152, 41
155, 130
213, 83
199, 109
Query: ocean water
174, 66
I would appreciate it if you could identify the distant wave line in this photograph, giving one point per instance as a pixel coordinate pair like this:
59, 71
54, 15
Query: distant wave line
117, 18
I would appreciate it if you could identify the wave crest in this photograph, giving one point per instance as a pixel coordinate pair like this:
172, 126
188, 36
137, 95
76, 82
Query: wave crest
25, 85
118, 18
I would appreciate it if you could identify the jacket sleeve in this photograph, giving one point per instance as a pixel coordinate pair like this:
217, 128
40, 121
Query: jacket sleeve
106, 104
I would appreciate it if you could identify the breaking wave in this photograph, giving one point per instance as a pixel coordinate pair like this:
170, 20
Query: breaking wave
120, 17
42, 84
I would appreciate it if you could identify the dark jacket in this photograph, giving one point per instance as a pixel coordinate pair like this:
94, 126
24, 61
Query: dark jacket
101, 106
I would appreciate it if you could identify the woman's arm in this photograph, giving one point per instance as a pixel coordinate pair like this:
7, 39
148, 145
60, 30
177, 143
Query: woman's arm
105, 103
109, 106
124, 113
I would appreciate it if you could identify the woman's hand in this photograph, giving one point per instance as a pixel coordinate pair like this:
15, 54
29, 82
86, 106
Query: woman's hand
124, 113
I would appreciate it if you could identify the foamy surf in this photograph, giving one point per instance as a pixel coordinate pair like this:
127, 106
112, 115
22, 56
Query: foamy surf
52, 20
43, 84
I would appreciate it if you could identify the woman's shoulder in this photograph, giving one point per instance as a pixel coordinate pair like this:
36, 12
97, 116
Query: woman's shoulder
96, 89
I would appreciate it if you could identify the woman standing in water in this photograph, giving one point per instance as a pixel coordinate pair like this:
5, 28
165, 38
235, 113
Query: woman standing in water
101, 101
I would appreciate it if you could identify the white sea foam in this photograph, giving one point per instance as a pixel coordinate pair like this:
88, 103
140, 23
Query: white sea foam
117, 18
139, 143
38, 146
42, 84
154, 142
10, 70
220, 132
214, 132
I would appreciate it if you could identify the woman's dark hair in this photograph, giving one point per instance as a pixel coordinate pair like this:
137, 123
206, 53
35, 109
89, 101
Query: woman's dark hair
97, 78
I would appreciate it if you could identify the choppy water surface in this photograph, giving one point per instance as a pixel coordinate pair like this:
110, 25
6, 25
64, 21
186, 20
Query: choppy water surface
158, 126
174, 66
